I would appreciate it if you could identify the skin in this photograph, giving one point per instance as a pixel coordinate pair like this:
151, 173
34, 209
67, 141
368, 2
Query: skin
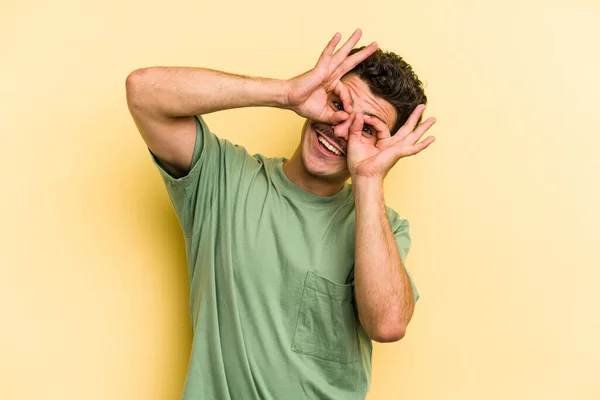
331, 100
326, 174
384, 295
164, 100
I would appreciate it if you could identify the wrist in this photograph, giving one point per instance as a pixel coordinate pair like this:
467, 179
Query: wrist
363, 187
367, 181
288, 96
277, 93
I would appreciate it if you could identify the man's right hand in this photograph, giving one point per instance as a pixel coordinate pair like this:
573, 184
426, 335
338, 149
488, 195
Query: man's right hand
308, 93
164, 100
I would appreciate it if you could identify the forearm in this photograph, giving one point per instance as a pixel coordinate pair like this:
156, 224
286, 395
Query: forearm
185, 91
383, 291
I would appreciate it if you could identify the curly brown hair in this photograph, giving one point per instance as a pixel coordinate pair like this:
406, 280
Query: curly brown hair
393, 79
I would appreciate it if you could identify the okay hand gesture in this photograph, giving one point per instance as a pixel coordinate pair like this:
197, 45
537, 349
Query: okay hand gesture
374, 159
307, 93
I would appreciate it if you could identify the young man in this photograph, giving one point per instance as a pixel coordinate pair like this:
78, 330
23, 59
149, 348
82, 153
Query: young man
292, 270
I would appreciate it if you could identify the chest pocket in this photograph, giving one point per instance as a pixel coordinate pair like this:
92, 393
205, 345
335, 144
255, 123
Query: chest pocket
326, 326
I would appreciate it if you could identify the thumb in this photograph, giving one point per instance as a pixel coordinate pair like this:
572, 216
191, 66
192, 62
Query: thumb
338, 117
329, 116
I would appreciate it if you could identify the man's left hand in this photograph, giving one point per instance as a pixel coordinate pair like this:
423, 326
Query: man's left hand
369, 159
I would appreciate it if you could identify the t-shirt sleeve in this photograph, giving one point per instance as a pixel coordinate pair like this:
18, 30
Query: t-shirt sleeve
194, 195
400, 228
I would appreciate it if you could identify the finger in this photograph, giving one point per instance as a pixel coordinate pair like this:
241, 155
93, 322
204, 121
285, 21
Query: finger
412, 121
329, 49
355, 129
415, 135
356, 58
381, 129
338, 117
344, 94
329, 116
405, 151
343, 52
418, 147
425, 143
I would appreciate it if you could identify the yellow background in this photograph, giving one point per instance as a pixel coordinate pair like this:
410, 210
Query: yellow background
503, 206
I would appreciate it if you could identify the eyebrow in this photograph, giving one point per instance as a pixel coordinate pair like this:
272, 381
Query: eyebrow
376, 116
367, 113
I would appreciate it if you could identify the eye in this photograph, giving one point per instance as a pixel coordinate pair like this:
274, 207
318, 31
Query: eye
338, 105
367, 129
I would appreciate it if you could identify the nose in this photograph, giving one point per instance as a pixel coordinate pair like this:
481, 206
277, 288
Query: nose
341, 130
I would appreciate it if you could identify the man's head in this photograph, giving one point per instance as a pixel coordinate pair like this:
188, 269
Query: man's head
383, 86
393, 79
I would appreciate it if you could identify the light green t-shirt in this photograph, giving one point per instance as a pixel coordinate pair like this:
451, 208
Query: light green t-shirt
271, 275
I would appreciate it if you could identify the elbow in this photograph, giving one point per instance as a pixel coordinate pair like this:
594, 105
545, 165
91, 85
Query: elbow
135, 83
136, 78
388, 333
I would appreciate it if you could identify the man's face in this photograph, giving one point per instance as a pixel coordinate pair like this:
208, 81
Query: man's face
324, 146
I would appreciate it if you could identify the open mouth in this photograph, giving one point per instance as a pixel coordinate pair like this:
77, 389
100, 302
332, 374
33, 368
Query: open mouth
326, 147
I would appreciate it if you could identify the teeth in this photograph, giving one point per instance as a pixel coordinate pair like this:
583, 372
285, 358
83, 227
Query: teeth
329, 146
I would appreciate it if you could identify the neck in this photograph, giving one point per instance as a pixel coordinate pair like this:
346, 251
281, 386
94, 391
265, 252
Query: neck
297, 174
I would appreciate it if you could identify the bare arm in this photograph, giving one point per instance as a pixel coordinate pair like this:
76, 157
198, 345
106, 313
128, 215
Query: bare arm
163, 101
383, 290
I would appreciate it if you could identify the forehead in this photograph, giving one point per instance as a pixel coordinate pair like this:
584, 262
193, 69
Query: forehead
363, 100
